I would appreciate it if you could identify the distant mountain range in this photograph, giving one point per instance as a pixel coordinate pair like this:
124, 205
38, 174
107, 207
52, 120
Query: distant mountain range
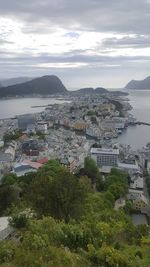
139, 84
46, 85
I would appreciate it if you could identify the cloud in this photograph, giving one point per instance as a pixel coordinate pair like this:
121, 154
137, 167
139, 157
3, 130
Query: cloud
97, 15
98, 37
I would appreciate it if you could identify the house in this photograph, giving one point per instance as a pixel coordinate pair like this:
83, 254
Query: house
11, 150
134, 194
70, 163
42, 160
31, 129
42, 126
140, 203
30, 148
5, 163
80, 126
137, 183
24, 167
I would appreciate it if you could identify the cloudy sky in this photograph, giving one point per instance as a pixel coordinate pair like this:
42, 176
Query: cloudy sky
84, 42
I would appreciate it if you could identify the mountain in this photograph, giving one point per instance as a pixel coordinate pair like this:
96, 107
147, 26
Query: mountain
101, 90
87, 90
13, 81
44, 86
90, 90
139, 84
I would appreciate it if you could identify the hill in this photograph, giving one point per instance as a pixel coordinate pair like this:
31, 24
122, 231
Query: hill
44, 86
139, 84
14, 81
90, 90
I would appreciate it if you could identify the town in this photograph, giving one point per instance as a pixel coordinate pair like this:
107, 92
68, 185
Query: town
81, 127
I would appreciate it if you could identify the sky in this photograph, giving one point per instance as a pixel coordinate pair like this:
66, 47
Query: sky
86, 43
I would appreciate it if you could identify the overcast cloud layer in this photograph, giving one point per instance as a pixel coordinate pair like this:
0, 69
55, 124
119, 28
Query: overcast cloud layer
84, 42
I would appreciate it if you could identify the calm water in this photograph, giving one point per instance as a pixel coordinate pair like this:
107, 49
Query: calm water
138, 136
12, 107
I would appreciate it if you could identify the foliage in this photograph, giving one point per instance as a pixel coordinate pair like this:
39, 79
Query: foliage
117, 183
91, 169
57, 193
9, 194
12, 136
40, 135
94, 120
91, 113
9, 179
19, 220
73, 225
97, 145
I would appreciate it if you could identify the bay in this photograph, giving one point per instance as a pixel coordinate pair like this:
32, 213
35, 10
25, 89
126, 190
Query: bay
18, 106
138, 136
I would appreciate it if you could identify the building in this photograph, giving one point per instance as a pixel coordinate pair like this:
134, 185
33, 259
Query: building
25, 120
140, 203
24, 167
129, 166
42, 126
30, 148
137, 183
105, 157
80, 126
5, 229
1, 143
135, 194
11, 150
70, 163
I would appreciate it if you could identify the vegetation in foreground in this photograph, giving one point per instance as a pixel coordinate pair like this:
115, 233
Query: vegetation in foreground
66, 220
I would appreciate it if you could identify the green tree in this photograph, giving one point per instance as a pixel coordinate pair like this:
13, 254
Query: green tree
91, 170
57, 193
8, 196
9, 179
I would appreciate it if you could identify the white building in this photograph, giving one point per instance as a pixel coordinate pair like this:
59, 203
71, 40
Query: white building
135, 194
5, 228
131, 168
42, 126
105, 157
137, 183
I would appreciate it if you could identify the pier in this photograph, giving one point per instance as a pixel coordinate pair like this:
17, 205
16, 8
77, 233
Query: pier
139, 123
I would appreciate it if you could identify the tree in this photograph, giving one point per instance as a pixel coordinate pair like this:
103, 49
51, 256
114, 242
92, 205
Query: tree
90, 169
117, 183
12, 136
57, 192
8, 196
19, 221
9, 179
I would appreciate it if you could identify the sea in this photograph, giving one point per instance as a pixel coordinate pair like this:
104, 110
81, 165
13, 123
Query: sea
135, 136
10, 108
138, 136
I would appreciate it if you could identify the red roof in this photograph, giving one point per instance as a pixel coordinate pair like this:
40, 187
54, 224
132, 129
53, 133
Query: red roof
43, 160
34, 165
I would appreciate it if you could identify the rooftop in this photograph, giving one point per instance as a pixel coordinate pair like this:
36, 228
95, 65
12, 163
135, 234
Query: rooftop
105, 151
